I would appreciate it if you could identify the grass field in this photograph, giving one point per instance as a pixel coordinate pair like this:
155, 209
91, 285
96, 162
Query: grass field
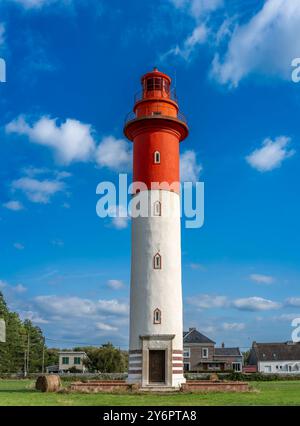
22, 392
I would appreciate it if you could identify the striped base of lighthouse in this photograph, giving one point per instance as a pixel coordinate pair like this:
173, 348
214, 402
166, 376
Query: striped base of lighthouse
138, 376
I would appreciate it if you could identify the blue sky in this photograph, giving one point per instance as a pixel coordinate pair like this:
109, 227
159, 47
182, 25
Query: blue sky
72, 70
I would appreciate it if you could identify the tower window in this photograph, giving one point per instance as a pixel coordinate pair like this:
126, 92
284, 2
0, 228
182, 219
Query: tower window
157, 261
156, 157
157, 316
157, 208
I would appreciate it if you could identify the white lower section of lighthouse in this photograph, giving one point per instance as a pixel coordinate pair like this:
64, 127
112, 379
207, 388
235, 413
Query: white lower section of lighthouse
156, 339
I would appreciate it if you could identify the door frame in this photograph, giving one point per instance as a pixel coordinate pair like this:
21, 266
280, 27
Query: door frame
157, 342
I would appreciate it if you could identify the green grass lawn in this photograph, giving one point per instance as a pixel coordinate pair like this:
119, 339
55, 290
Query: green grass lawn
22, 392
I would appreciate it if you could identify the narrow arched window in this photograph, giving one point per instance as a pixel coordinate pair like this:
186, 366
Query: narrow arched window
157, 261
157, 316
157, 208
156, 157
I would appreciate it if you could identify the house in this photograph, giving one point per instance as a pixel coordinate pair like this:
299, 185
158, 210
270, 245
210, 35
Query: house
200, 354
71, 359
276, 358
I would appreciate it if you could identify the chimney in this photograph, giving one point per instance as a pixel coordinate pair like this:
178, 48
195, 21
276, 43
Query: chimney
223, 345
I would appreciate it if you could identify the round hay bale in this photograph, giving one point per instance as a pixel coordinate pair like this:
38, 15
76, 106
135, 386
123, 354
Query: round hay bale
48, 383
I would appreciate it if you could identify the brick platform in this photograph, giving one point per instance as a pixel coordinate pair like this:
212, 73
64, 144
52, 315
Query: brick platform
190, 385
217, 386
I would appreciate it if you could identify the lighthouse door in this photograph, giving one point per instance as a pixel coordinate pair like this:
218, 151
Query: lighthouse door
157, 366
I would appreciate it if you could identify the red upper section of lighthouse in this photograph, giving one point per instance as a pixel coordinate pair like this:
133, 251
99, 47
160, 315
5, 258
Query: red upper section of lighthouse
156, 127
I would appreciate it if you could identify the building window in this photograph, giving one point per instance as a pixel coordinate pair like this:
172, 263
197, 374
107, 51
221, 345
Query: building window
186, 366
236, 366
65, 360
157, 208
157, 316
157, 261
204, 353
186, 352
156, 158
77, 360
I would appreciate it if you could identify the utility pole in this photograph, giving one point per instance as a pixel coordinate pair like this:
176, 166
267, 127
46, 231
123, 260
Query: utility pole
25, 364
28, 347
43, 358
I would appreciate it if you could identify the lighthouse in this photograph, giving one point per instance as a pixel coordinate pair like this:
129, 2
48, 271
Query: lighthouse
156, 128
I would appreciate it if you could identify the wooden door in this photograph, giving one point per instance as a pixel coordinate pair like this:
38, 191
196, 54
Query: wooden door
157, 361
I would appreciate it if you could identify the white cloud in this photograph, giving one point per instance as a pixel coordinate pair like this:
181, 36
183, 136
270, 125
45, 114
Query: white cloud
115, 284
207, 301
262, 279
233, 326
71, 140
271, 155
114, 153
119, 217
38, 4
255, 304
33, 317
189, 168
105, 327
293, 301
13, 205
264, 45
198, 37
19, 246
19, 288
198, 8
79, 307
38, 191
287, 317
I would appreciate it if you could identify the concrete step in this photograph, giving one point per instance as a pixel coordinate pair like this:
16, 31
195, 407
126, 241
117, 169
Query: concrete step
158, 388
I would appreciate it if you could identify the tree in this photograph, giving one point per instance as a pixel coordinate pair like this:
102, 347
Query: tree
36, 344
106, 359
12, 351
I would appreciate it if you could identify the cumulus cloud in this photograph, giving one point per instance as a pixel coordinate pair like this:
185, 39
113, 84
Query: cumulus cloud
71, 140
198, 37
38, 191
115, 284
233, 326
38, 4
271, 155
75, 306
255, 304
190, 169
293, 302
114, 153
264, 45
13, 205
208, 301
119, 217
198, 8
18, 288
105, 327
262, 279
